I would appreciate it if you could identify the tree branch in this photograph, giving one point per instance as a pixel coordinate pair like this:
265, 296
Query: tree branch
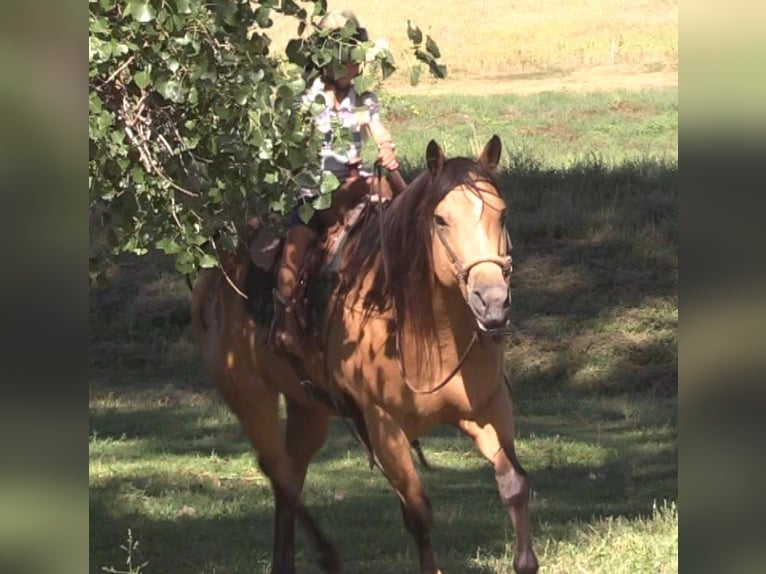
120, 68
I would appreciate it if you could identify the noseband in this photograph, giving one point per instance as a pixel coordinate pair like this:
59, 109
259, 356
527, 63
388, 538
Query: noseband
462, 270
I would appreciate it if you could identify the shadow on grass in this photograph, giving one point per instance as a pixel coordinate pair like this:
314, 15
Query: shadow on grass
365, 525
231, 530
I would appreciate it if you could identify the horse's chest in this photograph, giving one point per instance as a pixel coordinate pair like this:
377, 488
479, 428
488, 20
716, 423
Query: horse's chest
371, 371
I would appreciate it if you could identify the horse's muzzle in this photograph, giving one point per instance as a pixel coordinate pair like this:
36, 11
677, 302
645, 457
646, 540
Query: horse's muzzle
491, 306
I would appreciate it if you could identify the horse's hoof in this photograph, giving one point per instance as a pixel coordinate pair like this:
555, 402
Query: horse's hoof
525, 565
329, 561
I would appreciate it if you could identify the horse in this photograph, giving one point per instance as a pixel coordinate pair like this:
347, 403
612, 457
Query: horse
412, 337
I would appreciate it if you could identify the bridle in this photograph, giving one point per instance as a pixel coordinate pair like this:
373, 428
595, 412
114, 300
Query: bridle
462, 271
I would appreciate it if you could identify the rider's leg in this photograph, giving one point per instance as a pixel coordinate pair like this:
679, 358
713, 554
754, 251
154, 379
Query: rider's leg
287, 333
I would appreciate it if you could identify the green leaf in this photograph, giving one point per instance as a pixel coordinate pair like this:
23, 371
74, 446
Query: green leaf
296, 156
298, 85
207, 260
240, 95
415, 75
323, 201
215, 195
295, 51
358, 53
414, 33
438, 70
168, 245
184, 266
117, 137
322, 58
140, 10
227, 13
363, 83
285, 94
99, 26
432, 48
193, 98
424, 57
197, 239
289, 7
262, 17
330, 183
387, 68
183, 6
170, 89
278, 204
320, 8
306, 212
142, 79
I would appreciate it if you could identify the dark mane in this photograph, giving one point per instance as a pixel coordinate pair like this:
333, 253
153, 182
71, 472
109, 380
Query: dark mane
406, 229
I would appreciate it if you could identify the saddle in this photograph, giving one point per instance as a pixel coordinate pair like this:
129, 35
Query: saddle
318, 275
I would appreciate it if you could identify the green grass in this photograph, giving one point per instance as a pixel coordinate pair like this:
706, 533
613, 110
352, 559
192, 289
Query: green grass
554, 129
171, 465
592, 358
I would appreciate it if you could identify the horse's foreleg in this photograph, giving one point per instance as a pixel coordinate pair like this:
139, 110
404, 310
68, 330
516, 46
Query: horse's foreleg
392, 448
494, 438
305, 433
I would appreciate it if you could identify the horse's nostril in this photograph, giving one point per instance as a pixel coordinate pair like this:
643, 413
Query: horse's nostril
477, 302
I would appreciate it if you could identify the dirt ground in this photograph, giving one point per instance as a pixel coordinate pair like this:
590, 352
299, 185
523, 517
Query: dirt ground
596, 79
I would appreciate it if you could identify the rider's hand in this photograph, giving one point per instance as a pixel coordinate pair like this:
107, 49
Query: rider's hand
387, 156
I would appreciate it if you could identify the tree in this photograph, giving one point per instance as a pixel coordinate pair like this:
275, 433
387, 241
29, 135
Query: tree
195, 123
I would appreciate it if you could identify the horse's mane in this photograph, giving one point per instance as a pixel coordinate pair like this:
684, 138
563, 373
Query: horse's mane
402, 233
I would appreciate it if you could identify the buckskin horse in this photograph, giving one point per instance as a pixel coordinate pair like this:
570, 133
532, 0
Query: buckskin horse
412, 337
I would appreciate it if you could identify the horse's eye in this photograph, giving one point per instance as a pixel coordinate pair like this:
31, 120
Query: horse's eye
440, 221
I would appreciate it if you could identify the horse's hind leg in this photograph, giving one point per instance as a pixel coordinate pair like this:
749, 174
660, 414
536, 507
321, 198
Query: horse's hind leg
392, 448
258, 412
306, 430
494, 439
289, 499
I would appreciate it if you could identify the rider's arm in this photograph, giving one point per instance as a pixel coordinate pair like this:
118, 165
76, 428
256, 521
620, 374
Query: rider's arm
378, 133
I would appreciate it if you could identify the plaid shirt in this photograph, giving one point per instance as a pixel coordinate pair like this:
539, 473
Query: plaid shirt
351, 114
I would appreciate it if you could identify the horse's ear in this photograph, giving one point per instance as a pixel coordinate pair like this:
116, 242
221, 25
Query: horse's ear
434, 158
490, 156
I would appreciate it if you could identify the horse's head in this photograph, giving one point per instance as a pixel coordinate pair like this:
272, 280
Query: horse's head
471, 247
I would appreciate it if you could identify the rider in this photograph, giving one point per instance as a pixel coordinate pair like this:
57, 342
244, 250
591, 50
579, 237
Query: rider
335, 88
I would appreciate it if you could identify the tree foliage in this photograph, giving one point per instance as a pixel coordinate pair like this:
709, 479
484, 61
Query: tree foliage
195, 123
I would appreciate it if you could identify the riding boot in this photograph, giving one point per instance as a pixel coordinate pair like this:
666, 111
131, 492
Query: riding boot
285, 334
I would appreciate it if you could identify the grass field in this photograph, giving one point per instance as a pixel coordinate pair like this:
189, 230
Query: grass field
591, 181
